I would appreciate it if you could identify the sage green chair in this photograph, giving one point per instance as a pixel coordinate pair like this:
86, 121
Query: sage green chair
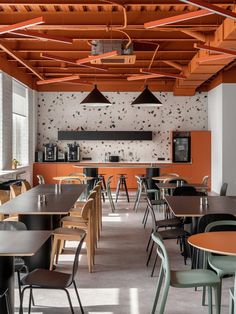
221, 264
182, 279
232, 297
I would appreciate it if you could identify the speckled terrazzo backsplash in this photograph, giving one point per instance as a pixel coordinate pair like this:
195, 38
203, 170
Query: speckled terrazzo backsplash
62, 111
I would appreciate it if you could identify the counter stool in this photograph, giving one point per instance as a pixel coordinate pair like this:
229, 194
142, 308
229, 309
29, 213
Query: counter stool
101, 178
121, 184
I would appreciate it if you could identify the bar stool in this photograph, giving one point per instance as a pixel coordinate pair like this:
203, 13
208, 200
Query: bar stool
121, 184
101, 178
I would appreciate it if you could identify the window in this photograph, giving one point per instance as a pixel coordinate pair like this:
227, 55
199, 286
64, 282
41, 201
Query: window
20, 123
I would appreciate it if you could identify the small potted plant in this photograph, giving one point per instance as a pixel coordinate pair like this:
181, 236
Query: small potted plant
15, 163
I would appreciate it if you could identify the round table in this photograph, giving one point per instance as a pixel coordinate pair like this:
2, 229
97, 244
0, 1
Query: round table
221, 242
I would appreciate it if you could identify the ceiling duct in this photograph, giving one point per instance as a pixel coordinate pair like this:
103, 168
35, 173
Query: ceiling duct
125, 55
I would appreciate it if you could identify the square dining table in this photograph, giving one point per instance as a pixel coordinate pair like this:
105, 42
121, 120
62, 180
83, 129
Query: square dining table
189, 206
16, 243
40, 208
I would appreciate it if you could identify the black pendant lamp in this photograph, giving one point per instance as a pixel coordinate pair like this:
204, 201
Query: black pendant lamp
146, 99
95, 99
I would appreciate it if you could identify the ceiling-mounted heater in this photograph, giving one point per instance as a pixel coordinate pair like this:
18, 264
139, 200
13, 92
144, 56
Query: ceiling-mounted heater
125, 55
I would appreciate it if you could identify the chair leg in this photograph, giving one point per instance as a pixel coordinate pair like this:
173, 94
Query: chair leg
53, 253
19, 284
22, 299
126, 190
150, 254
149, 240
7, 303
118, 189
217, 291
30, 299
231, 305
154, 265
146, 218
69, 299
77, 294
209, 300
145, 213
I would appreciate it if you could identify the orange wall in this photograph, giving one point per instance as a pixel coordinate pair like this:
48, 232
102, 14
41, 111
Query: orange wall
194, 172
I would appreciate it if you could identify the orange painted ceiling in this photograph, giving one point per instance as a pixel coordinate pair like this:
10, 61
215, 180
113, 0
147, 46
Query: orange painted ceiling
83, 21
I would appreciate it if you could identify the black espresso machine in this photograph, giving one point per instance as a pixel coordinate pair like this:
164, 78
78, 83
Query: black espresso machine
73, 152
50, 152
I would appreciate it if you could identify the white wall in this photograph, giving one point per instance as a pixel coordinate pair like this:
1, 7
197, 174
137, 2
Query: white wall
229, 137
222, 123
215, 126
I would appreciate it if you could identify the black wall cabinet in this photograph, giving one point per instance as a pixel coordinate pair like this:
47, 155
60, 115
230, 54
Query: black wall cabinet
105, 135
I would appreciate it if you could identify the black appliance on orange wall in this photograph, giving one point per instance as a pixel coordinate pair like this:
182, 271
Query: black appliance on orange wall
181, 147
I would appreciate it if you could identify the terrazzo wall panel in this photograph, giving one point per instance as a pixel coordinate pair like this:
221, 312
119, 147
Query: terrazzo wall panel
62, 111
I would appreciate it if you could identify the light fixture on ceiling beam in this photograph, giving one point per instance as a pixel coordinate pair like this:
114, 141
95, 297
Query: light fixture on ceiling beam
95, 99
217, 57
97, 57
71, 61
41, 36
211, 7
148, 71
146, 99
58, 80
19, 59
216, 49
177, 18
22, 25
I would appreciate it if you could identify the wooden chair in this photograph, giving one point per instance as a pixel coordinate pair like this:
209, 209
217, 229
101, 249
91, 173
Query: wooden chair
71, 234
41, 179
25, 186
15, 190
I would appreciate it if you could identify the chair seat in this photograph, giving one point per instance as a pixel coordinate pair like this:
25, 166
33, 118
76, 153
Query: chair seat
73, 219
223, 265
66, 231
172, 233
168, 222
47, 279
157, 202
193, 278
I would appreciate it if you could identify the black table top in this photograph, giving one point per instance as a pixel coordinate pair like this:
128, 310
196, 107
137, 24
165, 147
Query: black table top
22, 243
189, 206
56, 202
174, 185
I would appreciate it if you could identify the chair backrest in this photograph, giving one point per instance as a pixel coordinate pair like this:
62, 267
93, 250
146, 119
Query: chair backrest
176, 180
15, 190
221, 225
25, 186
87, 208
162, 252
185, 191
109, 195
12, 225
70, 181
77, 253
205, 180
205, 220
223, 189
41, 179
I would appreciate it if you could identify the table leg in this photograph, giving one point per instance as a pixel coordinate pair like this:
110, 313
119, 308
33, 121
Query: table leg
196, 254
91, 172
7, 282
39, 222
152, 172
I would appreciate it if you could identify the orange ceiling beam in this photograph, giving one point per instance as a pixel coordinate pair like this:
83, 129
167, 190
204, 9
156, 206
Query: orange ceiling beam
217, 57
142, 77
18, 58
177, 18
211, 7
71, 61
98, 57
173, 64
41, 36
58, 80
181, 76
215, 49
22, 25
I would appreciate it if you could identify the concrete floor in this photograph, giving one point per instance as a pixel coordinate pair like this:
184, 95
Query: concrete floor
121, 283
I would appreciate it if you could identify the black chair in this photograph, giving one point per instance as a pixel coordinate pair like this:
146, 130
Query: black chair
185, 191
4, 294
223, 189
19, 263
197, 255
176, 233
49, 279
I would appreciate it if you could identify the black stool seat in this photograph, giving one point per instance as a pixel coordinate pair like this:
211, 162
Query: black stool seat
121, 184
